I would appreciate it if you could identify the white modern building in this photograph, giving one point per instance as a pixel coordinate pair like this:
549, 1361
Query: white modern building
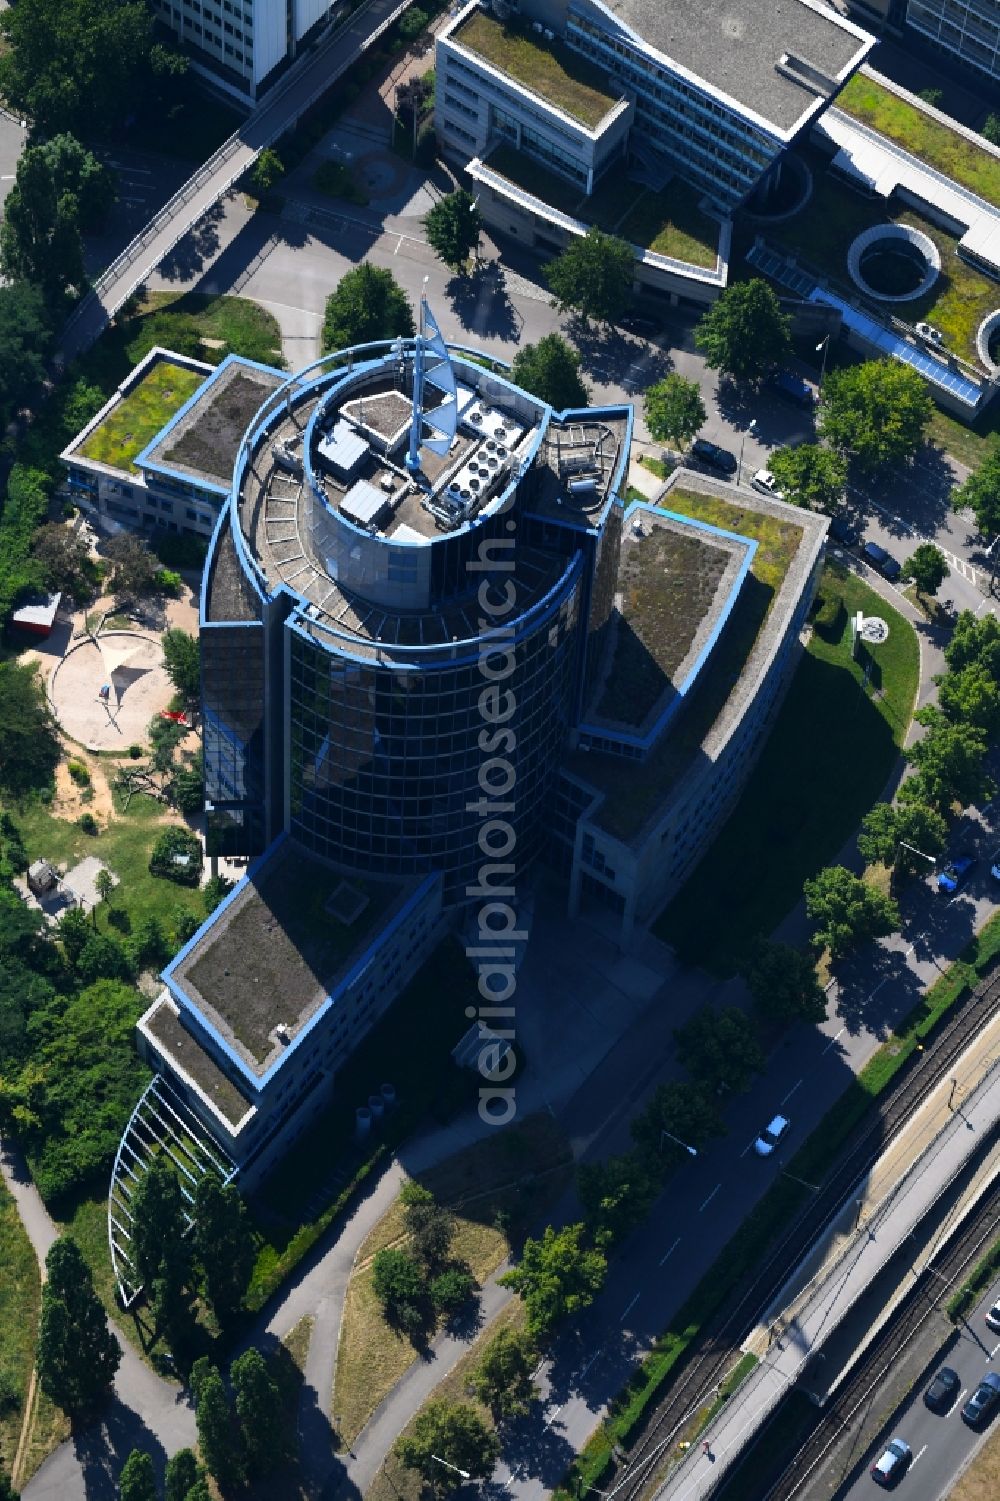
239, 43
712, 90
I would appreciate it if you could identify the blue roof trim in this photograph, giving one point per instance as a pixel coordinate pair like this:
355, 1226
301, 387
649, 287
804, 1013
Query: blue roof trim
645, 742
258, 1082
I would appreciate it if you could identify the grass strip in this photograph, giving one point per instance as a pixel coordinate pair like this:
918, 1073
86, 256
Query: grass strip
975, 1284
750, 1244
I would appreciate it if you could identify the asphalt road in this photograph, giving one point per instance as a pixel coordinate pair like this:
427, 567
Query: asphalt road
942, 1444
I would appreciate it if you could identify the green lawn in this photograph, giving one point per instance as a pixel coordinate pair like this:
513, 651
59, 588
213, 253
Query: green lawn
821, 236
558, 75
669, 222
826, 762
138, 418
20, 1294
925, 137
125, 847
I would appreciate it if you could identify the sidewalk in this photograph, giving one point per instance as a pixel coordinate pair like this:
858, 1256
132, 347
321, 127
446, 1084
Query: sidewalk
915, 1169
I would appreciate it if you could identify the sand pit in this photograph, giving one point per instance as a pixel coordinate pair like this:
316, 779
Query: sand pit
131, 664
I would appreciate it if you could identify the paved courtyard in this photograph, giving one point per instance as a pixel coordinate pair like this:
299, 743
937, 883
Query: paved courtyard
139, 688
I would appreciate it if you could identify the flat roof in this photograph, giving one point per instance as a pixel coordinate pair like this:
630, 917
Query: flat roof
202, 438
139, 411
166, 1028
735, 46
277, 948
548, 68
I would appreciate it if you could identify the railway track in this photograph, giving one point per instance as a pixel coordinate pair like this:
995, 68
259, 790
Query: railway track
961, 1253
717, 1348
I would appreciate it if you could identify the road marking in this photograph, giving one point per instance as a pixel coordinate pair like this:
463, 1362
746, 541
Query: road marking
673, 1248
398, 243
553, 1415
834, 1038
711, 1196
919, 1453
958, 1401
994, 1350
897, 519
788, 1096
630, 1307
878, 987
586, 1368
748, 1146
126, 199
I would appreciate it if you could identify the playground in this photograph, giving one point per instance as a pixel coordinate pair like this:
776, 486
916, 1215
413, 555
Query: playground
105, 690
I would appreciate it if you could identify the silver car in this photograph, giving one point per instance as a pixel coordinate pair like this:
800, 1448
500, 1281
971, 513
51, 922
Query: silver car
771, 1135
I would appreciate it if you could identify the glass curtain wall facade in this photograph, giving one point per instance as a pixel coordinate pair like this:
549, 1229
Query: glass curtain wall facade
969, 29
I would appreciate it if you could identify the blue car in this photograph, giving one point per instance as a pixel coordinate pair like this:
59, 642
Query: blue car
886, 564
954, 874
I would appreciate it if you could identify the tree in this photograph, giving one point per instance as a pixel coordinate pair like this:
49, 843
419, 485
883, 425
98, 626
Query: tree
177, 856
453, 228
148, 947
593, 276
975, 640
617, 1195
182, 659
25, 340
135, 569
927, 568
876, 413
556, 1276
889, 828
399, 1282
429, 1224
103, 958
720, 1048
104, 881
258, 1407
76, 66
949, 760
40, 238
183, 1473
846, 911
744, 334
224, 1245
217, 1437
188, 786
138, 1478
160, 1249
991, 129
503, 1378
368, 304
29, 745
971, 696
451, 1290
783, 983
454, 1432
674, 410
267, 170
809, 476
678, 1112
63, 558
980, 493
77, 1353
550, 370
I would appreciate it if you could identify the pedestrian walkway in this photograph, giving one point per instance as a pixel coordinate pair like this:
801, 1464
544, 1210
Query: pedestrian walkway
917, 1167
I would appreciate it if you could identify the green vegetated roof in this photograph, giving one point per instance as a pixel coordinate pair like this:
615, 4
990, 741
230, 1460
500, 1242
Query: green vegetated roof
668, 222
140, 415
821, 235
549, 69
276, 952
936, 144
635, 789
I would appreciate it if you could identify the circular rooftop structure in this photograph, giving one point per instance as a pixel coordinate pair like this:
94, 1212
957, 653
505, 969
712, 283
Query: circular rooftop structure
893, 263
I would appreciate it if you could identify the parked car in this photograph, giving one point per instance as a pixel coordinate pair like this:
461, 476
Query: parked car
764, 481
882, 560
929, 332
791, 387
995, 870
892, 1464
993, 1316
844, 532
984, 1401
943, 1390
711, 454
771, 1135
634, 323
955, 874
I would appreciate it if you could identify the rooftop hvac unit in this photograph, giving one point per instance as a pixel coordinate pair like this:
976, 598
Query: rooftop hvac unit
584, 486
537, 27
549, 36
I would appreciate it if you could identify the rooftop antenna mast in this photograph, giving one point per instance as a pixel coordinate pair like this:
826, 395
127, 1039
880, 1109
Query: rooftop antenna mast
433, 375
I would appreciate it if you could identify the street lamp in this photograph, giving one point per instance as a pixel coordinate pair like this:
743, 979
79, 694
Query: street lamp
931, 859
825, 346
751, 428
669, 1135
465, 1474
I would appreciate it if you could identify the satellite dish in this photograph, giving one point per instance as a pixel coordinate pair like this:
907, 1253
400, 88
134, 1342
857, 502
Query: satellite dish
874, 630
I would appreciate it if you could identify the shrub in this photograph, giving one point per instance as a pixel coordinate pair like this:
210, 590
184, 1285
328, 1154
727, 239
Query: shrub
88, 823
169, 582
78, 771
177, 857
135, 752
176, 551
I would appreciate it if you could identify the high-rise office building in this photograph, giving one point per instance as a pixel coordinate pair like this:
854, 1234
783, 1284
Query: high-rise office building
967, 29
